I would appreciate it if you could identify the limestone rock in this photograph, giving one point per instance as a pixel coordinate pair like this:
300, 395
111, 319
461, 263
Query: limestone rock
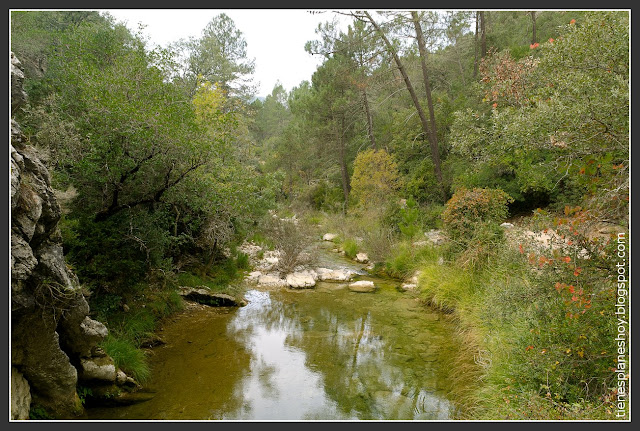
435, 236
20, 395
362, 258
203, 295
18, 95
102, 369
362, 286
329, 236
50, 329
326, 274
271, 280
301, 280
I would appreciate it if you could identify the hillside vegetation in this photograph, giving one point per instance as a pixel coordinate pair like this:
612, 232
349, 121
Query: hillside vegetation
448, 123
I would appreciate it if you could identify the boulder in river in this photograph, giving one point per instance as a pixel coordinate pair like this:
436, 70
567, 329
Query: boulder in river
362, 286
326, 274
203, 295
302, 279
271, 280
362, 258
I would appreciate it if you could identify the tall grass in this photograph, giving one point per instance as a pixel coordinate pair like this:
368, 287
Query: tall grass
127, 357
532, 361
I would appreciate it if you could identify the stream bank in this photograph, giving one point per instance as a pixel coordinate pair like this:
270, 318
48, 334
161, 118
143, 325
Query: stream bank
321, 353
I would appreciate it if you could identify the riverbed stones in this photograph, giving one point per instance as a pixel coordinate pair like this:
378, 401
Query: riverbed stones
362, 258
302, 280
102, 369
327, 274
435, 236
362, 286
271, 280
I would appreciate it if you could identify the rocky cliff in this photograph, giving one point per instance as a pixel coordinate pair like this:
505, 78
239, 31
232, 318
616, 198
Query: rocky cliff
53, 340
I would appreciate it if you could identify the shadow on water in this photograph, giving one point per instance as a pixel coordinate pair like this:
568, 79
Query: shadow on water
315, 354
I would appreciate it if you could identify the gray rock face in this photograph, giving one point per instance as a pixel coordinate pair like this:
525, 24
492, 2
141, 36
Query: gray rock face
18, 96
20, 396
51, 329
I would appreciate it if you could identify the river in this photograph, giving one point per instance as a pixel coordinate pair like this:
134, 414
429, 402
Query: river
312, 354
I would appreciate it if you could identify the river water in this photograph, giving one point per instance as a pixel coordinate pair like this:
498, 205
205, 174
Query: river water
313, 354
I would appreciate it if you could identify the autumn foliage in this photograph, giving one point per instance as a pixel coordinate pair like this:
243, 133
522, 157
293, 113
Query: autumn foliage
467, 209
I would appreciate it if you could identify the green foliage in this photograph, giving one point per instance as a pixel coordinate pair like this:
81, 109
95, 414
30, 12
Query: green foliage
537, 320
242, 261
375, 178
469, 209
127, 357
350, 247
410, 224
541, 134
216, 277
83, 393
325, 196
39, 413
405, 258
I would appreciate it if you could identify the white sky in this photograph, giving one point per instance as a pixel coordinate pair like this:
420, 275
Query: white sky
275, 37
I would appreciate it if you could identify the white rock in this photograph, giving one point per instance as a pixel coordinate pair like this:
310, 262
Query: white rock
98, 369
507, 225
302, 279
271, 280
329, 236
362, 286
408, 286
362, 258
326, 274
435, 236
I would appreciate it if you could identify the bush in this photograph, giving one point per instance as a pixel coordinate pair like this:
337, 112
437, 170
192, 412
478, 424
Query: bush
467, 209
290, 238
375, 178
350, 248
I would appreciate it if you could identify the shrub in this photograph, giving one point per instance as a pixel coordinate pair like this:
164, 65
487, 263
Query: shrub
290, 238
350, 248
467, 209
375, 177
242, 260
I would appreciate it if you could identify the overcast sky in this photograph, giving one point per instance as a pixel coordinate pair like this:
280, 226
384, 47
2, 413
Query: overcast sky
275, 37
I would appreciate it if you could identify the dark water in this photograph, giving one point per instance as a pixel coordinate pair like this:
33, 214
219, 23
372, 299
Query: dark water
315, 354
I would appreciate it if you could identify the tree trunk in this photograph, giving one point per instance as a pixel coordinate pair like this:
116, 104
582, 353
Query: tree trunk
372, 138
433, 137
533, 22
475, 58
435, 154
483, 36
346, 187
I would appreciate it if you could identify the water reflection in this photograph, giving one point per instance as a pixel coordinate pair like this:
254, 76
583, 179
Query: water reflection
318, 354
332, 356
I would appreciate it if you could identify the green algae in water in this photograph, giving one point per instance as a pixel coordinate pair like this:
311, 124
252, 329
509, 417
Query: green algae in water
315, 354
